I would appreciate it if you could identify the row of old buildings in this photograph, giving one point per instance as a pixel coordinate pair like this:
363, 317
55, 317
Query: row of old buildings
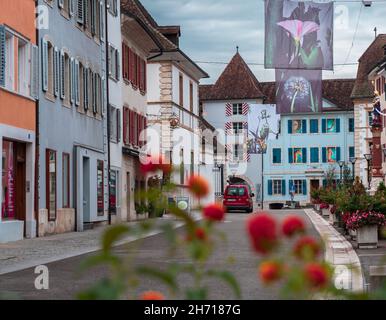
83, 85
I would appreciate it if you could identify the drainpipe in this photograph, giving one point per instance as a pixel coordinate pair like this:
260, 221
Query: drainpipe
108, 112
37, 144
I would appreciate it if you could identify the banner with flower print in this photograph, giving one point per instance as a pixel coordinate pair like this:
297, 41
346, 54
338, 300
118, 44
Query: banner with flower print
298, 35
298, 91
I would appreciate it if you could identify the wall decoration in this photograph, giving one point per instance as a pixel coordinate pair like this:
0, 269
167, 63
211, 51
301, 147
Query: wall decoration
298, 35
331, 155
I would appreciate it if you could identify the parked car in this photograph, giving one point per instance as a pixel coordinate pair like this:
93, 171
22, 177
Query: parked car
238, 197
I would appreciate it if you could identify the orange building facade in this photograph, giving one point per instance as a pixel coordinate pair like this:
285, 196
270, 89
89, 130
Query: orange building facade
19, 64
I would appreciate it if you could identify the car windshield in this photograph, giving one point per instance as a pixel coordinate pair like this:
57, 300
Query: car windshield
236, 191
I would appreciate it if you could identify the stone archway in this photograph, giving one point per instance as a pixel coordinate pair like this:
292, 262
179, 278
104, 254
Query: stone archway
243, 179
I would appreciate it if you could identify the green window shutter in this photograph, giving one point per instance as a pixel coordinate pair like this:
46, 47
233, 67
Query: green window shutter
80, 14
314, 126
276, 155
324, 125
304, 126
351, 125
44, 64
62, 75
338, 154
77, 83
34, 72
314, 155
305, 187
324, 155
290, 126
270, 188
290, 155
351, 152
283, 191
304, 155
2, 56
337, 125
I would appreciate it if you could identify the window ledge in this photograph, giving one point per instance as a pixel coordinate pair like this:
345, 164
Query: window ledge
49, 96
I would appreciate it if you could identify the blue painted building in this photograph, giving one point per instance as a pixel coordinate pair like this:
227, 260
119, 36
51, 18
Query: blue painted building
309, 145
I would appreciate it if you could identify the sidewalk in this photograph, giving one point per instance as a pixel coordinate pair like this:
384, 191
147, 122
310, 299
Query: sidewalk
19, 255
339, 253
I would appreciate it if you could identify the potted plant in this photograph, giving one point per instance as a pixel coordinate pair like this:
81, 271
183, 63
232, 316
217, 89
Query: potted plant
325, 207
315, 196
379, 205
366, 224
333, 219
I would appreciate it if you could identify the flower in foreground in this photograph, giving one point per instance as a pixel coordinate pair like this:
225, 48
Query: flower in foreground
262, 232
270, 271
152, 295
214, 212
293, 225
316, 275
306, 248
198, 186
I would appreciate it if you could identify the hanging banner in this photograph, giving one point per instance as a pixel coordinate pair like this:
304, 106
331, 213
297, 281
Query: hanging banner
263, 125
298, 91
298, 35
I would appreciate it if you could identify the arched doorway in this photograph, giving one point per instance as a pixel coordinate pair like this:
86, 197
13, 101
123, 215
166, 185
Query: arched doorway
242, 180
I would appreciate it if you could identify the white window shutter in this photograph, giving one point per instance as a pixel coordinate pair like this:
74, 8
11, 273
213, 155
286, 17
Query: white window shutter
72, 80
34, 90
80, 13
109, 48
77, 82
103, 87
2, 56
72, 7
101, 21
85, 88
61, 3
94, 91
56, 71
119, 125
93, 16
44, 64
62, 75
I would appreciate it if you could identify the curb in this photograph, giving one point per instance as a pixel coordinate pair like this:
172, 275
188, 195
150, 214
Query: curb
339, 253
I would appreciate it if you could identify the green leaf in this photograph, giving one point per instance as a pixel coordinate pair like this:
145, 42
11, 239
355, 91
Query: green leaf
228, 278
196, 294
167, 277
99, 259
190, 223
105, 289
112, 235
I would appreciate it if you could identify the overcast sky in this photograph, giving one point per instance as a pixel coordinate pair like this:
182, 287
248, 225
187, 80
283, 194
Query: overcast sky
211, 30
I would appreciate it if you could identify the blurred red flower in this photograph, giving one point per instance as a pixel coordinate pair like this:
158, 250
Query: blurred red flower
198, 186
262, 232
214, 212
152, 295
200, 234
316, 275
306, 248
293, 225
270, 271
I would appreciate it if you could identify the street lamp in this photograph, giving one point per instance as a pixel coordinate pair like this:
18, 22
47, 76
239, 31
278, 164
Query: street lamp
368, 158
353, 160
341, 165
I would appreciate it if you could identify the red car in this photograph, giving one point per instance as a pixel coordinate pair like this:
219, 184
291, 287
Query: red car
238, 197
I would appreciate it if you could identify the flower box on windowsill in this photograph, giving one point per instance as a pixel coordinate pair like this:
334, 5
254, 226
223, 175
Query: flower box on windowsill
367, 237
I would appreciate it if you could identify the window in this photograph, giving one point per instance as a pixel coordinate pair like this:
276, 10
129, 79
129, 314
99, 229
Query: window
90, 16
100, 188
237, 127
114, 187
181, 86
351, 152
314, 126
277, 187
276, 156
297, 155
314, 155
81, 88
8, 176
238, 152
331, 154
297, 126
236, 191
23, 67
370, 118
53, 69
330, 125
66, 180
351, 125
298, 186
115, 124
191, 97
65, 75
112, 6
113, 63
237, 109
51, 184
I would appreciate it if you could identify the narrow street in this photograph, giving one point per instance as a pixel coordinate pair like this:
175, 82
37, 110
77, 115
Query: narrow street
65, 281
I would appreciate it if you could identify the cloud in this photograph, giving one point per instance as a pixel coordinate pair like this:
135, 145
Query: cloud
211, 30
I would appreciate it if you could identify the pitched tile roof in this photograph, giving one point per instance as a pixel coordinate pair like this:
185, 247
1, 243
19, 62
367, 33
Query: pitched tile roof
236, 82
370, 58
337, 91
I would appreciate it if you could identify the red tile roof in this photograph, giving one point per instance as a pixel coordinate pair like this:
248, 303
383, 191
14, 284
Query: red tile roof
370, 58
236, 82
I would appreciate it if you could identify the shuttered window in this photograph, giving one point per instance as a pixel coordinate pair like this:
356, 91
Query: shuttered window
34, 72
113, 63
80, 11
2, 56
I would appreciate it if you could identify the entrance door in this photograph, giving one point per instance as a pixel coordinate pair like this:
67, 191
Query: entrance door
128, 195
86, 190
20, 182
315, 184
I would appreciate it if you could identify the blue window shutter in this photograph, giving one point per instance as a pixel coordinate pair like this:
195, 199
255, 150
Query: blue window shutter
351, 125
62, 75
45, 64
338, 154
305, 187
270, 188
315, 155
279, 155
337, 125
324, 125
34, 72
304, 155
2, 56
351, 152
283, 191
304, 126
291, 184
290, 155
324, 155
290, 126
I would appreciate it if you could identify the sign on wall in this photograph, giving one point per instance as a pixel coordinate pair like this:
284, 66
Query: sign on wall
298, 91
263, 125
298, 35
